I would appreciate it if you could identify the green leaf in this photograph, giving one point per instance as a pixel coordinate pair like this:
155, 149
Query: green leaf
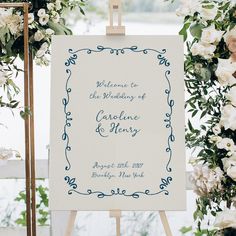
185, 230
196, 30
183, 31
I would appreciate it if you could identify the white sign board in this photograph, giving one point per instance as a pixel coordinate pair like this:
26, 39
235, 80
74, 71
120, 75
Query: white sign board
117, 123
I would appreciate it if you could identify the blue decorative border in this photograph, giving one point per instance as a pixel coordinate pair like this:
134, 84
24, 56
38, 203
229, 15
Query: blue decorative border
160, 56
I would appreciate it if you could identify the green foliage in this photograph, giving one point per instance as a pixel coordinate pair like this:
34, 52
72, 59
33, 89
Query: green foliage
41, 207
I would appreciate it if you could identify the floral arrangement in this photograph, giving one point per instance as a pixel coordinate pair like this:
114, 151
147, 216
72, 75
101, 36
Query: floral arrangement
45, 19
210, 64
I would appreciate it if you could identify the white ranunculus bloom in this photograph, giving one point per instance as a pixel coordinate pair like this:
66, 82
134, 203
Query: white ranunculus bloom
205, 179
44, 19
41, 12
211, 35
50, 6
38, 36
225, 72
3, 77
204, 50
226, 219
228, 117
5, 153
50, 31
31, 18
227, 144
216, 129
208, 13
231, 96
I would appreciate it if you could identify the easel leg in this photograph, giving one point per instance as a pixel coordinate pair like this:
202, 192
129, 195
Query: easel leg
165, 223
71, 222
116, 214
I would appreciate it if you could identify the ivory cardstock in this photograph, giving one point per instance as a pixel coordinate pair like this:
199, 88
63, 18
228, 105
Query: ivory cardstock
117, 123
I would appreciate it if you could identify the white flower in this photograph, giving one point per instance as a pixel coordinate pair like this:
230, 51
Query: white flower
226, 219
227, 144
58, 5
55, 17
38, 36
231, 96
31, 18
14, 23
216, 129
5, 153
215, 139
41, 12
40, 53
44, 19
225, 72
42, 61
211, 35
49, 31
50, 6
44, 46
229, 165
204, 50
206, 179
209, 11
230, 35
228, 117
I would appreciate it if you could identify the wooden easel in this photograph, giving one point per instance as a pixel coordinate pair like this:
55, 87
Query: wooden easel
115, 6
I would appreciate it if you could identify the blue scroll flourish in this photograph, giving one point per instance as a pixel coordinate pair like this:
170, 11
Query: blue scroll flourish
162, 61
117, 191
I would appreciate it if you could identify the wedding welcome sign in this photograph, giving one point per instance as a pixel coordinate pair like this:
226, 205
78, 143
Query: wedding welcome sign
117, 123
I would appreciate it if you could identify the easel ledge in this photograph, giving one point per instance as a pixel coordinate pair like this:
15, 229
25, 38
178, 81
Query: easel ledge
115, 6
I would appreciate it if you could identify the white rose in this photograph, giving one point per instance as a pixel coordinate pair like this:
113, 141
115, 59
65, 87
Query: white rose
226, 219
41, 12
38, 36
231, 96
225, 72
40, 53
228, 117
211, 35
55, 17
230, 34
58, 5
229, 165
44, 46
204, 50
5, 153
208, 13
227, 144
50, 6
50, 31
31, 18
216, 129
44, 19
